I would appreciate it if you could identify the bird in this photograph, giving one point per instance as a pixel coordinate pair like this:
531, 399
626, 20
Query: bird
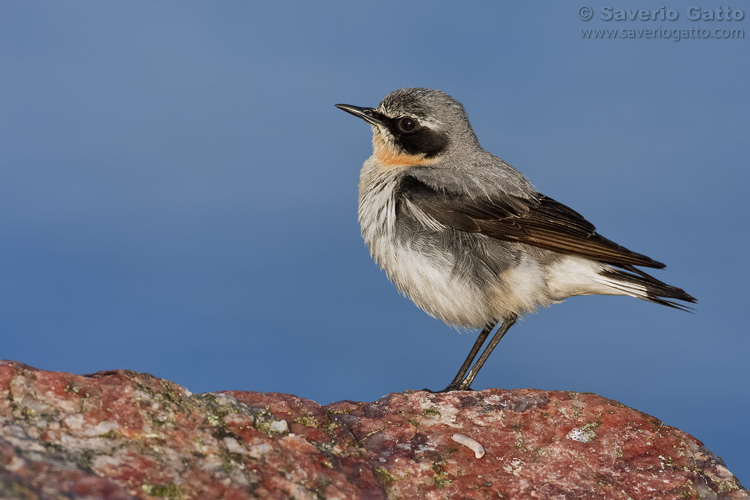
468, 238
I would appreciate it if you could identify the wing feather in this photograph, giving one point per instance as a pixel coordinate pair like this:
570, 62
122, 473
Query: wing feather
541, 222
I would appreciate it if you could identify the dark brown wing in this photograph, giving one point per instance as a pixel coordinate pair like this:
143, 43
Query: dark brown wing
543, 222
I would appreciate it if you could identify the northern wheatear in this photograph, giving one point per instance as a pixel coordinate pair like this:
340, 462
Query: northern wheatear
467, 237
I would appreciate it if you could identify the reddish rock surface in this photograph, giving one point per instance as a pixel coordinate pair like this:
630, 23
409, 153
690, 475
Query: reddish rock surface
123, 435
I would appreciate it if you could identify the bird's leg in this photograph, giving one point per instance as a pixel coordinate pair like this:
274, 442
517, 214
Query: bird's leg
469, 359
465, 384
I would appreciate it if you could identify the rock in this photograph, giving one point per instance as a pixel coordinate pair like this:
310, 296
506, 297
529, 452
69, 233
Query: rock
123, 435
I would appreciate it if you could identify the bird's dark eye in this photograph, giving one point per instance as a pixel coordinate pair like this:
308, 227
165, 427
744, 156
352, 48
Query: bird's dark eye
407, 124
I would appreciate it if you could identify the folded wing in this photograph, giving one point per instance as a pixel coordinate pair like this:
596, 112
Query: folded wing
540, 222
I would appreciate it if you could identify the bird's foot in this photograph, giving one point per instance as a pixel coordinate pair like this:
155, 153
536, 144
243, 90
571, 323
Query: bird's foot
450, 388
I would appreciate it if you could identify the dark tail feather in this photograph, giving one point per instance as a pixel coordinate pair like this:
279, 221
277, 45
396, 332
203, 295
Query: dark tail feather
634, 282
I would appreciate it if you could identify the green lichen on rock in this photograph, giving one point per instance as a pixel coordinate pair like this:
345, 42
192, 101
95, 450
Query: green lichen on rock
384, 477
307, 421
441, 476
217, 408
168, 490
589, 430
111, 434
268, 424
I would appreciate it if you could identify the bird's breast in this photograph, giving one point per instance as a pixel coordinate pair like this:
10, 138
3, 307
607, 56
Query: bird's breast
418, 265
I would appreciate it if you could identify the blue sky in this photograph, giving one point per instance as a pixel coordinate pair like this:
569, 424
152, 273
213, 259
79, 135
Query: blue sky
178, 195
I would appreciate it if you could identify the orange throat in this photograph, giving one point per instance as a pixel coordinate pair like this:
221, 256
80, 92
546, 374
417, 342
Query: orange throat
390, 158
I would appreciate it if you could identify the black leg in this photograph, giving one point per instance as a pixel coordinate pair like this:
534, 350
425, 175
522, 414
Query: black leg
469, 359
465, 384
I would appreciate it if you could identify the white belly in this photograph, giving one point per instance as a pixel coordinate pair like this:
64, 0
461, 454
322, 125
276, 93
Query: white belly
428, 282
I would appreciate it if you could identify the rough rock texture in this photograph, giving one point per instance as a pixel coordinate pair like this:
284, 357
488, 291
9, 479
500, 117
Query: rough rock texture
124, 435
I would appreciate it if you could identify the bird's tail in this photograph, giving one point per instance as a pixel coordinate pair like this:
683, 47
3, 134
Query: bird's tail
634, 282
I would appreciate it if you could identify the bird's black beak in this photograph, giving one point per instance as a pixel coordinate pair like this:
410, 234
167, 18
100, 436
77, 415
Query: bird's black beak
367, 114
